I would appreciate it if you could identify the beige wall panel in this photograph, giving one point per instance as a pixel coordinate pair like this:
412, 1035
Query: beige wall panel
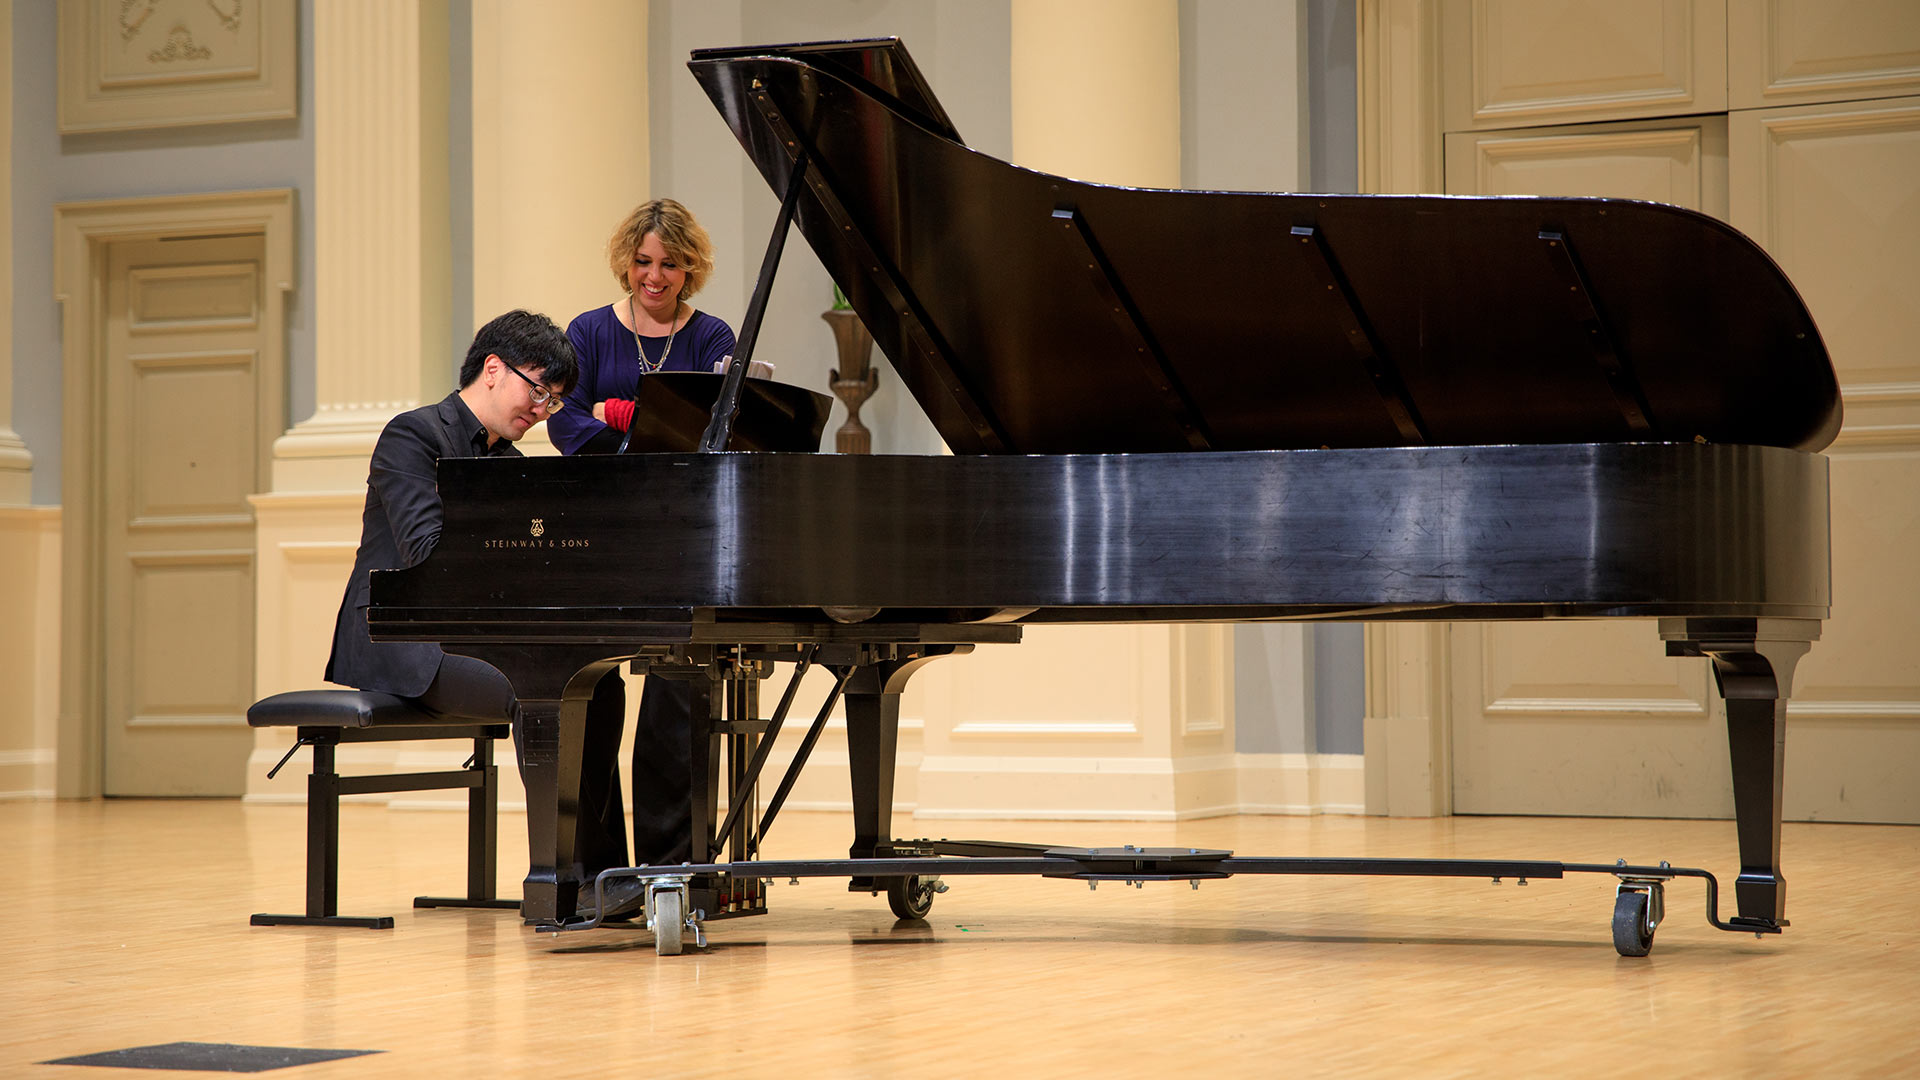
1044, 690
1854, 724
1201, 683
1587, 719
1683, 162
1038, 731
1858, 769
1784, 52
1833, 193
1519, 62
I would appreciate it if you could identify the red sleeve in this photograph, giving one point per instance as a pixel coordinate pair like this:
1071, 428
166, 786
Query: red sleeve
619, 413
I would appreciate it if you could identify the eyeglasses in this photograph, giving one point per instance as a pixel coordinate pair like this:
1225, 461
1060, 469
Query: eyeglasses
542, 397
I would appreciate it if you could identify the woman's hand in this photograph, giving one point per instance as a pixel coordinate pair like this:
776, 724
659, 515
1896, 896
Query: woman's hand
600, 411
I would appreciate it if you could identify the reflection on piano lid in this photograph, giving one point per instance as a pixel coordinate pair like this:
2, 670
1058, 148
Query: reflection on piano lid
1031, 313
672, 408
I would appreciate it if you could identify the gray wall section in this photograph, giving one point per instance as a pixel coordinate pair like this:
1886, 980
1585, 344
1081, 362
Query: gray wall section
1222, 68
50, 168
1339, 687
1228, 114
459, 189
1333, 106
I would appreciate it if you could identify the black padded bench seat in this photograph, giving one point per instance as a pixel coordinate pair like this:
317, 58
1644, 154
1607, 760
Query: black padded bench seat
323, 719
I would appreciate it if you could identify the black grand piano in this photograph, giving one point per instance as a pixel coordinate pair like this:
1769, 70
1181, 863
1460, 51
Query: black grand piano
1162, 406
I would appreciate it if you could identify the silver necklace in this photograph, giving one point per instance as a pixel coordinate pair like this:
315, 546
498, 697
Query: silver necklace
673, 328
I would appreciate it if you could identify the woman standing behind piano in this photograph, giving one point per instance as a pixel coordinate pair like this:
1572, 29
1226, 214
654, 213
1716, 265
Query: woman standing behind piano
660, 256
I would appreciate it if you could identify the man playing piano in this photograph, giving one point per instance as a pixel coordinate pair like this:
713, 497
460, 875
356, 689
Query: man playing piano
513, 377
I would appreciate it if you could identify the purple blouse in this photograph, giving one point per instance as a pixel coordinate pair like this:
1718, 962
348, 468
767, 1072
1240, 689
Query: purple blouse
610, 366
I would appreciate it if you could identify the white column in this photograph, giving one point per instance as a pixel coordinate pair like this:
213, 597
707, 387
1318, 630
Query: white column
559, 150
560, 154
382, 299
381, 250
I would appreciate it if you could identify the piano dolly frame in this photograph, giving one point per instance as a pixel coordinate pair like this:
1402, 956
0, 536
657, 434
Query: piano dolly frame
1752, 661
913, 875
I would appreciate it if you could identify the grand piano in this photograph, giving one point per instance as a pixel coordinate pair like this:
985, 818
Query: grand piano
1162, 406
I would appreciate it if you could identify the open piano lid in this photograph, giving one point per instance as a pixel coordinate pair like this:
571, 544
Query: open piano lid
1031, 313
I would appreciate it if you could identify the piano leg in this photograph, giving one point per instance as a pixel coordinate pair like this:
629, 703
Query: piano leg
1753, 662
555, 685
873, 731
873, 734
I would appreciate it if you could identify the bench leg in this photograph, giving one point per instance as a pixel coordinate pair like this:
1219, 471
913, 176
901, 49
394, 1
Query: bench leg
323, 853
483, 838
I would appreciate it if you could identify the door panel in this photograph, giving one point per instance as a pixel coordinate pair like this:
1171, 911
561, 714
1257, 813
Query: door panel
1681, 161
180, 455
1589, 719
1513, 63
1786, 52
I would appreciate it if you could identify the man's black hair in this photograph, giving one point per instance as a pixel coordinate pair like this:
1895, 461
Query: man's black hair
527, 340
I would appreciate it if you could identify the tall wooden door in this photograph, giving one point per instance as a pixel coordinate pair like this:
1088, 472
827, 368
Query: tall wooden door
179, 454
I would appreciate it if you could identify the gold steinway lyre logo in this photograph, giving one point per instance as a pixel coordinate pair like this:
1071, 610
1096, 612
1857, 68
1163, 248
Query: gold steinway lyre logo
539, 527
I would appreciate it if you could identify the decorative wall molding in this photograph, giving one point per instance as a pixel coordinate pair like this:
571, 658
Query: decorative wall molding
1543, 708
128, 64
1068, 729
1892, 711
26, 774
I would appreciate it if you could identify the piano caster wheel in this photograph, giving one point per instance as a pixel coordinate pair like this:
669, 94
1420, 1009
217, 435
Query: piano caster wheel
910, 897
1633, 923
669, 920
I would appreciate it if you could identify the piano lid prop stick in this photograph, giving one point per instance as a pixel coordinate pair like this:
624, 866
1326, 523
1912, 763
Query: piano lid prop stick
720, 424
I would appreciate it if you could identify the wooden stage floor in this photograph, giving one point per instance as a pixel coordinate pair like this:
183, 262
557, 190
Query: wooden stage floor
127, 927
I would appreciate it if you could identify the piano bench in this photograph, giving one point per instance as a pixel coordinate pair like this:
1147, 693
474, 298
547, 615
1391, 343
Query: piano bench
324, 719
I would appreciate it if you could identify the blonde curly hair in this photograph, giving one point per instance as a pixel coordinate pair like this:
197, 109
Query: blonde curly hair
679, 233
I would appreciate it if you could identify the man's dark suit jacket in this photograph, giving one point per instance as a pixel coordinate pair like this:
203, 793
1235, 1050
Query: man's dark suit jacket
398, 528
